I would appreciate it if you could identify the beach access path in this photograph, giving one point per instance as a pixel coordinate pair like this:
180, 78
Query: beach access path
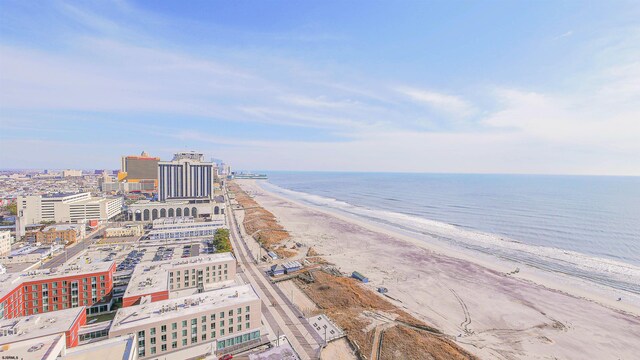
491, 313
282, 315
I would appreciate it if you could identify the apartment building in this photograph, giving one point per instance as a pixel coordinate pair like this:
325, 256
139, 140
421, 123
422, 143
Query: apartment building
153, 282
214, 320
41, 291
186, 176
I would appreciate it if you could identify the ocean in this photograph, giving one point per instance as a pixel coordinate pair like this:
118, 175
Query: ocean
583, 226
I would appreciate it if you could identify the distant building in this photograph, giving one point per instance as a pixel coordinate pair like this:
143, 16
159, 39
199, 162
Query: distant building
71, 173
61, 234
80, 207
5, 243
140, 169
187, 176
127, 230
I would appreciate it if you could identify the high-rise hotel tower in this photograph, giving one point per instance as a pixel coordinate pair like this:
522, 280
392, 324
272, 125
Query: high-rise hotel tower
187, 176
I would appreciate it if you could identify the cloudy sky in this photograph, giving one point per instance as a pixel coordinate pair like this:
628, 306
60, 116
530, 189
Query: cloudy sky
549, 87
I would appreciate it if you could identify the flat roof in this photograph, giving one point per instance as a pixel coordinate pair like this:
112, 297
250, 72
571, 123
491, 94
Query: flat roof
34, 326
154, 277
117, 348
42, 348
8, 282
134, 316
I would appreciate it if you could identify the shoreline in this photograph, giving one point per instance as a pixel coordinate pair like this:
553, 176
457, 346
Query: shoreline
513, 294
556, 281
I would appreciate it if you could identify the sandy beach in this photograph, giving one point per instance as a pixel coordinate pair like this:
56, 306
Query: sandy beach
530, 315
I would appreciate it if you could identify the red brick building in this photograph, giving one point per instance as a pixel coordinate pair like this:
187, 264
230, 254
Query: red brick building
39, 292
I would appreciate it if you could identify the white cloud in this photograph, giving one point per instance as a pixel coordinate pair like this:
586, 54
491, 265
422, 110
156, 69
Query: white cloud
447, 103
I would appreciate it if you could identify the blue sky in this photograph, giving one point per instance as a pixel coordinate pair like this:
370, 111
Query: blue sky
549, 87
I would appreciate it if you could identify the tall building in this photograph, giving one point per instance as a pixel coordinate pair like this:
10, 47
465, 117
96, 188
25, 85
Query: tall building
5, 242
187, 176
140, 169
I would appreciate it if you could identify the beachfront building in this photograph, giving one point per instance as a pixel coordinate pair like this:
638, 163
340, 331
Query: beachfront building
124, 231
187, 176
183, 228
153, 282
203, 323
41, 291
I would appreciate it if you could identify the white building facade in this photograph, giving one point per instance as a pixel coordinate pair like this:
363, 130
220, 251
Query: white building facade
186, 176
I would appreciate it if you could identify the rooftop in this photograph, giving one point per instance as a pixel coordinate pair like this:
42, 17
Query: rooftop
117, 348
9, 281
34, 326
134, 316
42, 348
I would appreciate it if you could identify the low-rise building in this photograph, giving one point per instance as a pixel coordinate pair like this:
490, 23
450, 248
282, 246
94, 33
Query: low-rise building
59, 233
61, 208
153, 282
219, 319
183, 228
124, 231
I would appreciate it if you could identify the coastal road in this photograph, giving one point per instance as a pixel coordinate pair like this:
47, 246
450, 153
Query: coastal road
282, 315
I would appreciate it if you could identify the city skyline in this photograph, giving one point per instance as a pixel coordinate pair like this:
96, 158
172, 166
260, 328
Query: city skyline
505, 87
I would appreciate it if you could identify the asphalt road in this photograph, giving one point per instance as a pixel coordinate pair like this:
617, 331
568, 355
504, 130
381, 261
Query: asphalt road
282, 315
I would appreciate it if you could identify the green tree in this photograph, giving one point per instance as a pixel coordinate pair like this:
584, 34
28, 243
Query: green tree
221, 240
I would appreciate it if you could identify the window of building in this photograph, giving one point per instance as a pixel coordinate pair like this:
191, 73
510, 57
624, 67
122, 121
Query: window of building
153, 350
163, 328
152, 331
230, 312
184, 342
230, 329
164, 347
184, 323
164, 338
194, 321
174, 326
153, 341
174, 344
184, 332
